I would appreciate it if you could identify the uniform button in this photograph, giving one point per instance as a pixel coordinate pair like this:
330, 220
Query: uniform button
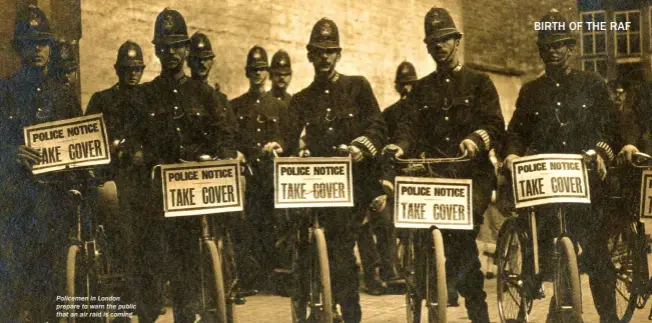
448, 80
241, 118
273, 120
178, 129
278, 99
563, 143
327, 91
583, 105
175, 91
257, 101
350, 114
446, 118
38, 89
536, 113
307, 123
198, 113
425, 107
176, 108
328, 109
152, 114
39, 109
558, 104
181, 146
334, 147
258, 159
448, 139
258, 129
557, 84
330, 128
258, 144
11, 117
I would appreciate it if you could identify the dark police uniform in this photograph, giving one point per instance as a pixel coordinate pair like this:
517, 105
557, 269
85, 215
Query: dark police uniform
35, 218
259, 118
123, 108
448, 107
183, 123
569, 115
635, 122
341, 110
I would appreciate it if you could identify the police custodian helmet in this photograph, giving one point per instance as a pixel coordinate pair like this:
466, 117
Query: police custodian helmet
200, 46
257, 58
129, 55
405, 73
324, 35
562, 31
439, 25
170, 28
31, 25
281, 62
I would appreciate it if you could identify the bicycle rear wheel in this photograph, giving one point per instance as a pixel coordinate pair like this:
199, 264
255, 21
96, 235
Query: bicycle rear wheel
72, 274
321, 281
437, 298
513, 302
407, 265
627, 249
215, 303
568, 295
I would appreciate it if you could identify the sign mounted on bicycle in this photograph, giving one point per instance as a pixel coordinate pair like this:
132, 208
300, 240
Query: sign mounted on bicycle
315, 184
427, 200
204, 189
555, 181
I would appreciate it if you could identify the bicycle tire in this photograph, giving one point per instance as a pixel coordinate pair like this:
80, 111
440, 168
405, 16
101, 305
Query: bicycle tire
405, 255
623, 250
229, 273
219, 296
568, 295
437, 313
326, 315
71, 274
510, 279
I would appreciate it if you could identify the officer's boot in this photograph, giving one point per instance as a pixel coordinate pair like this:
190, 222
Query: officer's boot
351, 311
477, 310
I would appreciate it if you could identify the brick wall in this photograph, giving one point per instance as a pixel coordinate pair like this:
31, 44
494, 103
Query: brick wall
376, 35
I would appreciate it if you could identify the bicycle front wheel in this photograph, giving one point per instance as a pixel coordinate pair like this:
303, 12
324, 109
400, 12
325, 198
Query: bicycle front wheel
568, 296
406, 265
513, 303
627, 257
215, 288
437, 289
72, 270
321, 290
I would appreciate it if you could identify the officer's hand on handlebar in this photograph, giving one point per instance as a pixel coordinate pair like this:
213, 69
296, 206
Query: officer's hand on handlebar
469, 147
600, 167
388, 187
304, 153
356, 153
393, 150
272, 147
509, 161
625, 154
28, 156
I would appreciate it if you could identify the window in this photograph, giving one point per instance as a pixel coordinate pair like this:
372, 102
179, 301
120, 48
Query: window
598, 65
594, 42
628, 42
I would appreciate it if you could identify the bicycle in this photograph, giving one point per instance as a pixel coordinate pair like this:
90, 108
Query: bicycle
90, 271
218, 271
519, 280
436, 291
314, 302
628, 244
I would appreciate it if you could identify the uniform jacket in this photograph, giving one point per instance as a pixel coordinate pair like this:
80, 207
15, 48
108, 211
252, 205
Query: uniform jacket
259, 118
27, 100
447, 107
392, 114
568, 115
338, 111
285, 98
184, 121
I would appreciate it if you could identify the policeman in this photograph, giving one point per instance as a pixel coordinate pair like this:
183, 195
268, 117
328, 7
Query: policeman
635, 120
376, 256
259, 119
123, 106
337, 110
35, 218
64, 65
568, 111
200, 61
183, 124
281, 75
455, 110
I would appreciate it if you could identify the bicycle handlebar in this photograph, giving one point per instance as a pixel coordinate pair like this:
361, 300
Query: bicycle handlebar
641, 160
444, 160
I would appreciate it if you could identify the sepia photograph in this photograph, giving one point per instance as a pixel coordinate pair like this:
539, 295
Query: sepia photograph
329, 161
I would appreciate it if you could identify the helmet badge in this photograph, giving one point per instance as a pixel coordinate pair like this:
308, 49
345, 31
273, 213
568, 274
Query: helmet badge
257, 54
168, 24
326, 29
131, 53
201, 44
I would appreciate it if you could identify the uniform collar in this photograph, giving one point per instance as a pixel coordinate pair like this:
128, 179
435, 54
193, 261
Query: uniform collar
29, 76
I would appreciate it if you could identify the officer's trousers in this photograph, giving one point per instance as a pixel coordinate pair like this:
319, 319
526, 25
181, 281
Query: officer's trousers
377, 253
